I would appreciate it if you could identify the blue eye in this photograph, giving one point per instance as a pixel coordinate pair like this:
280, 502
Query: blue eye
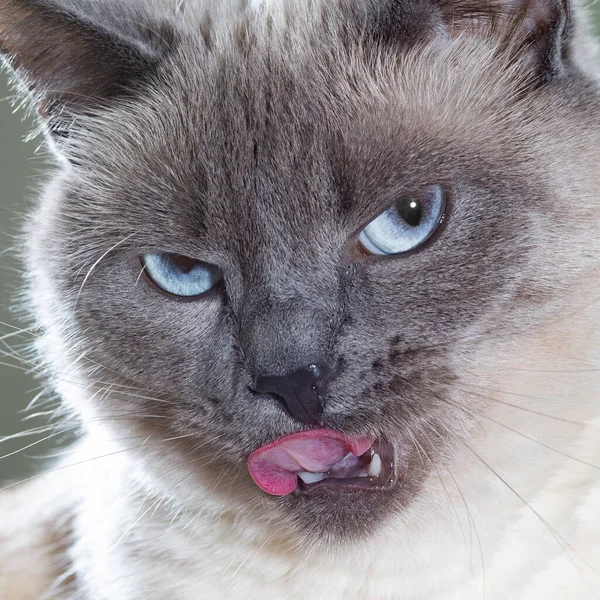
181, 275
407, 224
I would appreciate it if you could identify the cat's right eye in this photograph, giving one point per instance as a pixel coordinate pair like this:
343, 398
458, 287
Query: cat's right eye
181, 275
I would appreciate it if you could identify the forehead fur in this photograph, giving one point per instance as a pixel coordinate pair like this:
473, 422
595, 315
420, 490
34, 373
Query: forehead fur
252, 83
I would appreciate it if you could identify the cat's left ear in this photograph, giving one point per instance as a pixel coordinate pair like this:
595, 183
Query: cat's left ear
536, 31
70, 60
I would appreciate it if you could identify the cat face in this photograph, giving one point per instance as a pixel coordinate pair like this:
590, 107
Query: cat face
264, 149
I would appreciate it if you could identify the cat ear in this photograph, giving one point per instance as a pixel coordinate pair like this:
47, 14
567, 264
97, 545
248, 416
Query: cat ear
538, 31
67, 60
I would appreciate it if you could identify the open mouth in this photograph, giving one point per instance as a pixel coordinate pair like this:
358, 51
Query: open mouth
323, 457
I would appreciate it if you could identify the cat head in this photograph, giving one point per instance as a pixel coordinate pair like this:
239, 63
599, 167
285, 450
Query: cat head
318, 221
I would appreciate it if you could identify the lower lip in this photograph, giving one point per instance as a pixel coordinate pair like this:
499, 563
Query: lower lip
394, 467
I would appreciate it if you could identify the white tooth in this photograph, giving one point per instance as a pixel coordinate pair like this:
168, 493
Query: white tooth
311, 477
363, 474
374, 468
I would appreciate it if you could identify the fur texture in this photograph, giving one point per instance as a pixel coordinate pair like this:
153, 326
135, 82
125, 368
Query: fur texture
262, 138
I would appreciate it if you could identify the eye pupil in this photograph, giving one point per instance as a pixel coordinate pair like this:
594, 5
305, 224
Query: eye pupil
410, 210
184, 264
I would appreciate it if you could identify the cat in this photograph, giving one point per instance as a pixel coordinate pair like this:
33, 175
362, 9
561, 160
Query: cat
319, 281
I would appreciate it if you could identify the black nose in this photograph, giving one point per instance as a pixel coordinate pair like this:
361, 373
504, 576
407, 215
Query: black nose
297, 392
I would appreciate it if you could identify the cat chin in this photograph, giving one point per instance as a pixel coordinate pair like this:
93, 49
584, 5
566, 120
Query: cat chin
330, 517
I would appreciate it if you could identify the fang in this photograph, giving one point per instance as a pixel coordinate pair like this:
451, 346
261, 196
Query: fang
374, 468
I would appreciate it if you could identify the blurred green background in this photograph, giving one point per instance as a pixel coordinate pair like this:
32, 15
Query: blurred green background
21, 168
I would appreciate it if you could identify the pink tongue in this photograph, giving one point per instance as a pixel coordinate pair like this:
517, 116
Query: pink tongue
275, 467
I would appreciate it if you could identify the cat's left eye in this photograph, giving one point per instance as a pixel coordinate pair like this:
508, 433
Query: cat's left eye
181, 275
412, 220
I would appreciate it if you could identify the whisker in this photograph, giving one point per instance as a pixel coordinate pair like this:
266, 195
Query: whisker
487, 418
124, 388
516, 431
28, 331
16, 356
71, 450
13, 334
142, 271
523, 408
472, 520
90, 271
256, 553
452, 505
561, 542
153, 505
527, 437
545, 371
29, 432
469, 513
63, 467
35, 399
13, 366
539, 413
180, 437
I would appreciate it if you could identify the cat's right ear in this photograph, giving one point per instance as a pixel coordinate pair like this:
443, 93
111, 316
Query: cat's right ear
69, 62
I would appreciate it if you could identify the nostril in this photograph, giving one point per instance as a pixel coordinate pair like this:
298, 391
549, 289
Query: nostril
318, 372
297, 391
